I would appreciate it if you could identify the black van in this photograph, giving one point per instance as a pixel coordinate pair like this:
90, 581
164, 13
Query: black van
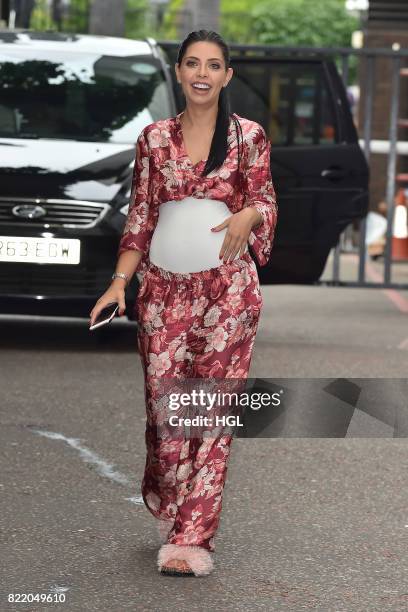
71, 109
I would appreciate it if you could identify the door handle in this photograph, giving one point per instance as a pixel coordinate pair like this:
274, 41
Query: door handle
333, 173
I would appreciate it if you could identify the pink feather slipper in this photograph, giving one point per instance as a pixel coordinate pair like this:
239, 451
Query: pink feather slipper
199, 559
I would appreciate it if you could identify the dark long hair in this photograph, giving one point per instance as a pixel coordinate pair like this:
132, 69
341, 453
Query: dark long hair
219, 144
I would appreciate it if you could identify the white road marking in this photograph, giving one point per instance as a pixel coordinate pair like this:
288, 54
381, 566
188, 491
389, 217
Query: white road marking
392, 294
58, 589
404, 344
138, 500
102, 467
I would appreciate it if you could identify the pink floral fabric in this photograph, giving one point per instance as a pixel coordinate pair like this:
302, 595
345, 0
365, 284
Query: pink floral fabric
192, 325
163, 172
199, 324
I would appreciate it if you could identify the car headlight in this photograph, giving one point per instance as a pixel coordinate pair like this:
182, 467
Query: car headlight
124, 209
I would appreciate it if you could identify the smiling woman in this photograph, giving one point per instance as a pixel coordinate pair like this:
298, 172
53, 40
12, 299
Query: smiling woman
201, 192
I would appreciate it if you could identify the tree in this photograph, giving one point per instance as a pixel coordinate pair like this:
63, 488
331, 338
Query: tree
280, 22
302, 22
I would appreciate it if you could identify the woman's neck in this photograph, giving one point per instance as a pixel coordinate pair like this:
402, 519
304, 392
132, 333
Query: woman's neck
200, 118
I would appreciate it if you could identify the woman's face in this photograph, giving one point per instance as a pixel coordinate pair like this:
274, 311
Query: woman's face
203, 63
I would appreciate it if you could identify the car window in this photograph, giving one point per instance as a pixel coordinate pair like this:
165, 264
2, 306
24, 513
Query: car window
80, 95
290, 100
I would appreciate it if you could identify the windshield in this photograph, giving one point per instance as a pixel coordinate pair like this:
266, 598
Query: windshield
80, 96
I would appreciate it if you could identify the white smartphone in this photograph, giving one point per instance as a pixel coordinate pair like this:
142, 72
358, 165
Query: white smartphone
105, 316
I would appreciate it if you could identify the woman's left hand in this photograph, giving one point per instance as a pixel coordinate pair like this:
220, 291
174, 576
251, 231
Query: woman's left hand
239, 227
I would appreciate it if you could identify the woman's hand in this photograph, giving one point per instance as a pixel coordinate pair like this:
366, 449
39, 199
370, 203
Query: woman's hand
115, 293
239, 227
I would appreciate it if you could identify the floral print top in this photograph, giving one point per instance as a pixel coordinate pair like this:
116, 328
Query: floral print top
163, 172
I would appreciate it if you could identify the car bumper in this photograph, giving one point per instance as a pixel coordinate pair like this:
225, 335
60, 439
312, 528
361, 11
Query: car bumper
54, 306
63, 290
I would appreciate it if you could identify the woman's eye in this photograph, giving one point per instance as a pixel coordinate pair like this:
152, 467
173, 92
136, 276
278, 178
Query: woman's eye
192, 63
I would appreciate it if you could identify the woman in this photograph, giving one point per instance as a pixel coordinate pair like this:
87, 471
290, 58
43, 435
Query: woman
201, 191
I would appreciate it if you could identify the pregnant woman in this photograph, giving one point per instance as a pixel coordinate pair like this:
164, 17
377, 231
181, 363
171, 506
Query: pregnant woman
201, 192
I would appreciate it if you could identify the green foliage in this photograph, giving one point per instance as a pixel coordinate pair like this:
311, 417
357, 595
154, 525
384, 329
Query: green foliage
137, 19
288, 22
277, 22
40, 17
293, 23
302, 22
75, 21
169, 29
141, 20
78, 17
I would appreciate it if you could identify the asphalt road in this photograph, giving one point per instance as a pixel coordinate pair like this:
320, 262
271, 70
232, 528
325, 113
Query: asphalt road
308, 523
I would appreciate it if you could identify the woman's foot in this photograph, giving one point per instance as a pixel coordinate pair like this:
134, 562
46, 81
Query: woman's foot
184, 560
176, 567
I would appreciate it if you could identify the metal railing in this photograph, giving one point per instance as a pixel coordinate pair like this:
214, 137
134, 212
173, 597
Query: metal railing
395, 58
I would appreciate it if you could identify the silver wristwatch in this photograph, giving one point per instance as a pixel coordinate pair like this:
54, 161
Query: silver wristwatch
120, 275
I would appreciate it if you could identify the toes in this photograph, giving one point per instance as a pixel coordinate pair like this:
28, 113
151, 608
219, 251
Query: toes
178, 564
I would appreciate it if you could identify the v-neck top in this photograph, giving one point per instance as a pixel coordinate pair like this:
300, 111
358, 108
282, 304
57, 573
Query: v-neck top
163, 172
183, 144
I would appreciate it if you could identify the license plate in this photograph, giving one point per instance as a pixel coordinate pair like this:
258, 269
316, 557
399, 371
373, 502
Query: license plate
40, 250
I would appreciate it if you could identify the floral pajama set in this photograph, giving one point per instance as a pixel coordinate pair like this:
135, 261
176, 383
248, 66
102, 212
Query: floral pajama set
195, 324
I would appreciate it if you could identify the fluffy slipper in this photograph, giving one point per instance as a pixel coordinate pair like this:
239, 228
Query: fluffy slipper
164, 528
199, 559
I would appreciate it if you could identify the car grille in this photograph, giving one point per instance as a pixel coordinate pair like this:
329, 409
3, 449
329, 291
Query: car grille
51, 213
46, 280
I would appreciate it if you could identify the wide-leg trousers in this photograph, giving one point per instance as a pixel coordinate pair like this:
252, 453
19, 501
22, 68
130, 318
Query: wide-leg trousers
192, 325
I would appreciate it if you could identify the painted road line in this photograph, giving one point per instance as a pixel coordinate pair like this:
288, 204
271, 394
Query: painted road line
393, 295
103, 468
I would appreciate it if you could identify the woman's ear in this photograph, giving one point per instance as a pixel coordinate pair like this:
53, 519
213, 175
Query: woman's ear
177, 71
230, 73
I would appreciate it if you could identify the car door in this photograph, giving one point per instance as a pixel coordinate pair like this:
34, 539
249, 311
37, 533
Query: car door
318, 169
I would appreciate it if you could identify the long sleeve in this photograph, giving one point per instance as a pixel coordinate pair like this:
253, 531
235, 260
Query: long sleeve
142, 217
260, 194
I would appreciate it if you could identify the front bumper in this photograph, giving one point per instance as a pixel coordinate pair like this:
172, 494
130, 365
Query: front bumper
63, 290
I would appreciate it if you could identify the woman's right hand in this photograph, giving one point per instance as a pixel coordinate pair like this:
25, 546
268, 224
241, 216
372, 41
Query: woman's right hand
115, 293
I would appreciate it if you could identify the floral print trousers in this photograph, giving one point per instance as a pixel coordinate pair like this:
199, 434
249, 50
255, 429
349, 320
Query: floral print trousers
192, 325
